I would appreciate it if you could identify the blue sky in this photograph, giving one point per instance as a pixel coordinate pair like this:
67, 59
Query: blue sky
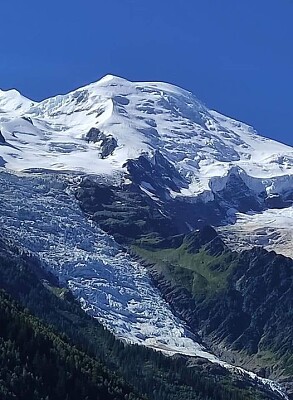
236, 56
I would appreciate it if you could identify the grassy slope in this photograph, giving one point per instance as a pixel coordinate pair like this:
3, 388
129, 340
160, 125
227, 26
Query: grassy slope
207, 276
199, 272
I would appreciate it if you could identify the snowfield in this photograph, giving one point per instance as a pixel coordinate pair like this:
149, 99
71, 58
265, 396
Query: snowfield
203, 145
271, 229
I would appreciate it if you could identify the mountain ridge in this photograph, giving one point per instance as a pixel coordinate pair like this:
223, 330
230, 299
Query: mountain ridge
141, 117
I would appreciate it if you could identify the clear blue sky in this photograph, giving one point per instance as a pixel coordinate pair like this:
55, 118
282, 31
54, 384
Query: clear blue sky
235, 55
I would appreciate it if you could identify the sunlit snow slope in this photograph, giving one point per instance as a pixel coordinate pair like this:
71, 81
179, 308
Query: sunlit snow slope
139, 118
271, 229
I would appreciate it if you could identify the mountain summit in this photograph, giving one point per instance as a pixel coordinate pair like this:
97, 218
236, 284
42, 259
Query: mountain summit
99, 127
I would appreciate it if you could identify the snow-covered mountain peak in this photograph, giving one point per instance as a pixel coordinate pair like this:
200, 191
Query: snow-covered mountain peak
13, 103
99, 127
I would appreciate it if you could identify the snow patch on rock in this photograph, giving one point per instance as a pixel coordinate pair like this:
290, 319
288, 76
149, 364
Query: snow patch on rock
271, 229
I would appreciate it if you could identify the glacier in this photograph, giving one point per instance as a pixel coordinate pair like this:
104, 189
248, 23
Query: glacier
203, 145
41, 216
270, 229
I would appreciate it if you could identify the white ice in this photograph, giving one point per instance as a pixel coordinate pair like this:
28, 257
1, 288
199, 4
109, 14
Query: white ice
143, 117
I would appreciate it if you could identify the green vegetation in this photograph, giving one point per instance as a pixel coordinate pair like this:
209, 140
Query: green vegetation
198, 271
37, 364
243, 301
52, 332
239, 302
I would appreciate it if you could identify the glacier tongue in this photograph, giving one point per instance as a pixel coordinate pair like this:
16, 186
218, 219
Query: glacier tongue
41, 217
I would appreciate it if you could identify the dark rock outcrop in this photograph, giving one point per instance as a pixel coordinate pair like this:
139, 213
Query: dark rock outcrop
158, 173
2, 139
108, 143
